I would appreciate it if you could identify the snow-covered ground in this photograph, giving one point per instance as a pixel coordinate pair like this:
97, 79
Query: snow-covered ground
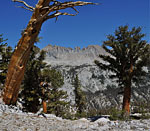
13, 119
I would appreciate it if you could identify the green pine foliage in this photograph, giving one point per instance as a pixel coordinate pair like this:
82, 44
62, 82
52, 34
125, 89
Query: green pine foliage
129, 53
37, 72
56, 98
5, 55
31, 90
80, 98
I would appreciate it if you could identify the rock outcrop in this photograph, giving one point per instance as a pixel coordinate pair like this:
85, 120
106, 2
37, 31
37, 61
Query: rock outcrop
57, 55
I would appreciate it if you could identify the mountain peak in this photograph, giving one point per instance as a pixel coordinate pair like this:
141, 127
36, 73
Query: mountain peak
68, 56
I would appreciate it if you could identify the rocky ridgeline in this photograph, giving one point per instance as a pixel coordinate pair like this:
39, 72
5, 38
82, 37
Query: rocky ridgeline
100, 89
57, 55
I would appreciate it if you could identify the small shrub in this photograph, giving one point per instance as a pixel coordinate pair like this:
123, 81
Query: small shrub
145, 116
93, 112
143, 108
116, 114
80, 115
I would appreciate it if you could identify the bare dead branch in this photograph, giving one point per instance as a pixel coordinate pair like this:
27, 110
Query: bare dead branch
45, 8
75, 9
65, 13
24, 8
55, 7
72, 4
64, 5
55, 15
43, 17
27, 6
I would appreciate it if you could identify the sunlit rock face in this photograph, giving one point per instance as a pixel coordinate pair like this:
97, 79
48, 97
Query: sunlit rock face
57, 55
101, 91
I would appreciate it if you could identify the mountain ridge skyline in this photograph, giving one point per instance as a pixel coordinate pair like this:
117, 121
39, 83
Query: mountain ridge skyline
58, 55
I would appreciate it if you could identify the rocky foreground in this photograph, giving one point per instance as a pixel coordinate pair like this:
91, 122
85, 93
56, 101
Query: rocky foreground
13, 119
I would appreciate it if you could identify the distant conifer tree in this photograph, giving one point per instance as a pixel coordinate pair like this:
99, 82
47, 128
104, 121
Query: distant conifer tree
56, 98
31, 90
80, 98
41, 82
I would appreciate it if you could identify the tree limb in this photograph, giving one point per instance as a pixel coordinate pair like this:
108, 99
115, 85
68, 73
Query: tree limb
75, 9
56, 6
71, 5
28, 7
58, 14
60, 6
24, 8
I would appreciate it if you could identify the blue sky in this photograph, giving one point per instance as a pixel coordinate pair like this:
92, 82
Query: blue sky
90, 26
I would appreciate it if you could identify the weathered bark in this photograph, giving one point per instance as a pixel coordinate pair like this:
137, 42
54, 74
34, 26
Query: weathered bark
126, 101
21, 54
43, 99
18, 62
44, 106
127, 93
20, 57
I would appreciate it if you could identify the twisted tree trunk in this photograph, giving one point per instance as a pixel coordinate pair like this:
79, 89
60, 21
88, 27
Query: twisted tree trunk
21, 54
18, 61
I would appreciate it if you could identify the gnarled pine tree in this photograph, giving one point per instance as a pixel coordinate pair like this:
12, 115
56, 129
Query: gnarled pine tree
128, 55
44, 10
